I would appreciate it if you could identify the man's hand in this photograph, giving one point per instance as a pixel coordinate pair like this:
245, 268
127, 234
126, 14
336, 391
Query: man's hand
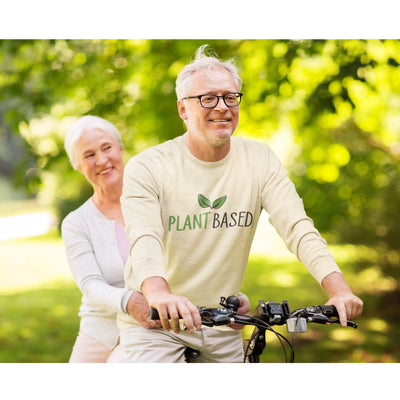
159, 296
244, 308
138, 308
348, 305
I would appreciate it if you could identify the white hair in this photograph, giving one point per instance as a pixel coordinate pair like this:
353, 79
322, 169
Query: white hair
202, 61
82, 125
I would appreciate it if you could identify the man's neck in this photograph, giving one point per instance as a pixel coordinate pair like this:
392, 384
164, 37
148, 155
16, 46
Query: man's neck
206, 152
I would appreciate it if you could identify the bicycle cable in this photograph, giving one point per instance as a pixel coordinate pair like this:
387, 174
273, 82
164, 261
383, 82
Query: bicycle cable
260, 324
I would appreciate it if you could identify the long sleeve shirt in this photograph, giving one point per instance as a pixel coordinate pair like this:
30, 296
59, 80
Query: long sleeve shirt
97, 267
193, 222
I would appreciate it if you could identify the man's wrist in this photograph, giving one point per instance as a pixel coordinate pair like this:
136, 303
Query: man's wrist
335, 284
154, 284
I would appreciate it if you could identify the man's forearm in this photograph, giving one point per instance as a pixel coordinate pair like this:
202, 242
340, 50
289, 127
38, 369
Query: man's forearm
334, 284
146, 261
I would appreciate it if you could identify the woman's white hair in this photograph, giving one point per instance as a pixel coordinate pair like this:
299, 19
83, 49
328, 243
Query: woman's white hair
202, 61
82, 125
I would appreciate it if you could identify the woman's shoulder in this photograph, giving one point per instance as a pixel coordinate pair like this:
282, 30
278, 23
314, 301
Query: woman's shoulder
78, 215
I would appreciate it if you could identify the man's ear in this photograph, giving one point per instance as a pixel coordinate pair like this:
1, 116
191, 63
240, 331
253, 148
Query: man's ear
182, 110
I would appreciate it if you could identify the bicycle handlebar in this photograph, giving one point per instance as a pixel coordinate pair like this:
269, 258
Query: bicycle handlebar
270, 314
263, 318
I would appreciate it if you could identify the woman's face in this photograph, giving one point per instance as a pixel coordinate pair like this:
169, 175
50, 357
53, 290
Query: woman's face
100, 158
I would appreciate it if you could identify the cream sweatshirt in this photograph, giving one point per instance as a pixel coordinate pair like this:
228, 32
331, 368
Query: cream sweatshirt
192, 222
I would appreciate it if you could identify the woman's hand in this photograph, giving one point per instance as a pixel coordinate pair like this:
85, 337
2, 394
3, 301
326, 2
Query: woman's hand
138, 308
244, 308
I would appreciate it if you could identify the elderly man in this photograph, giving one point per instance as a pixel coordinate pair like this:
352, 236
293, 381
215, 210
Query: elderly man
191, 207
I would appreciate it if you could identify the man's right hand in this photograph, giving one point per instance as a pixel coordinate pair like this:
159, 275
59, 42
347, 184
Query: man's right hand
171, 306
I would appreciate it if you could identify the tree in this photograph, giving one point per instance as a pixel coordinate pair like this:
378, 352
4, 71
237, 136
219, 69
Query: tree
342, 101
337, 98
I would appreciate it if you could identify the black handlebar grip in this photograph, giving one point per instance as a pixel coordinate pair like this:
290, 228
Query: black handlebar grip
329, 311
153, 314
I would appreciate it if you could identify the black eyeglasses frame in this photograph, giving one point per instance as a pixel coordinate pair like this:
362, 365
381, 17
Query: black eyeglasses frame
238, 95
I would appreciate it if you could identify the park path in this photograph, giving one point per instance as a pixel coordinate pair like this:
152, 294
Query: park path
25, 225
30, 262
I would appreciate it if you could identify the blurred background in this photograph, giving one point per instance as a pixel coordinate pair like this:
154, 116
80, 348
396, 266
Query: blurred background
329, 108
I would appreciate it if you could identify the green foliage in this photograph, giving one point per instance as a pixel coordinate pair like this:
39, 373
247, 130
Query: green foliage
348, 170
339, 99
46, 84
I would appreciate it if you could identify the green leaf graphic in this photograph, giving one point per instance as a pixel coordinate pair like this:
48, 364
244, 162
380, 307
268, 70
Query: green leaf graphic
203, 201
219, 202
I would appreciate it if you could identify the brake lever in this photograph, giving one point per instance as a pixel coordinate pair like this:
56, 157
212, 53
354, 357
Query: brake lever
322, 319
324, 314
351, 324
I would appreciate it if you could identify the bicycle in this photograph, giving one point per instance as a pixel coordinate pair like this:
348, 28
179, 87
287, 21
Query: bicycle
263, 318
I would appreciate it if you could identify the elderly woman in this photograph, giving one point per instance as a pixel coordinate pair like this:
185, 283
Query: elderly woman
96, 244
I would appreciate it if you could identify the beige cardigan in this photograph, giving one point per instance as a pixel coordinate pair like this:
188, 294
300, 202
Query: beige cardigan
97, 267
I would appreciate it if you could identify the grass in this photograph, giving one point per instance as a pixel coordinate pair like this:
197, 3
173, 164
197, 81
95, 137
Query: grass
39, 325
39, 301
27, 263
39, 304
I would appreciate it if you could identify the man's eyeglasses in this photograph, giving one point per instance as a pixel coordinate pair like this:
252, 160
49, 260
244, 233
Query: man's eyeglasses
211, 100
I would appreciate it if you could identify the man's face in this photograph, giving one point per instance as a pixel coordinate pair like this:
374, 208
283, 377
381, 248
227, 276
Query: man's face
210, 126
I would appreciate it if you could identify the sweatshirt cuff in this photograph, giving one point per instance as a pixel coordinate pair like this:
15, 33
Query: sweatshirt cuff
125, 299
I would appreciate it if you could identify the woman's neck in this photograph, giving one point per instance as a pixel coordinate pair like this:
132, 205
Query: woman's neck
108, 202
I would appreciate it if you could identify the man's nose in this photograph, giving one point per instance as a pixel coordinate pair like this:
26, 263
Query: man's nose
221, 104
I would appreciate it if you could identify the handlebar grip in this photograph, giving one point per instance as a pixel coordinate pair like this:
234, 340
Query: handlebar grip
330, 311
153, 313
